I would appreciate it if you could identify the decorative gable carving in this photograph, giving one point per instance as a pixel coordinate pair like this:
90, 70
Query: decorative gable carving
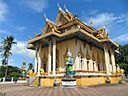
61, 18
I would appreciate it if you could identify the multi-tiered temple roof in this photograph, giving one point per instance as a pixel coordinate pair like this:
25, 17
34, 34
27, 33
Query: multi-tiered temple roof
68, 26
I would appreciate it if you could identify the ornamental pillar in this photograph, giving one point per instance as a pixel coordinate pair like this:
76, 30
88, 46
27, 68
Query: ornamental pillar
49, 58
36, 61
39, 59
113, 61
107, 62
54, 56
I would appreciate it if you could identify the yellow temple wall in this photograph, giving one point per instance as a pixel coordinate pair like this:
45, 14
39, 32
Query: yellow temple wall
81, 81
75, 46
62, 47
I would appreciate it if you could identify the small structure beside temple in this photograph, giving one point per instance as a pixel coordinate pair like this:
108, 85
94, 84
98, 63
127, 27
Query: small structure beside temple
92, 51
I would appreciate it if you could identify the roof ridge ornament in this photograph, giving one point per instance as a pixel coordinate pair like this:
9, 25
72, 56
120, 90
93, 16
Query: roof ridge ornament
35, 34
66, 8
30, 37
46, 17
91, 23
59, 6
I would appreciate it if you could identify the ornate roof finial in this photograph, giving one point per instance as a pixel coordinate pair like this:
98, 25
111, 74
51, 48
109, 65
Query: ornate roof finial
46, 18
30, 37
65, 8
59, 6
104, 26
35, 34
90, 23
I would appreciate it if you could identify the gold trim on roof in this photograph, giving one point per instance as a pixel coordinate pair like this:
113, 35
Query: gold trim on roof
85, 29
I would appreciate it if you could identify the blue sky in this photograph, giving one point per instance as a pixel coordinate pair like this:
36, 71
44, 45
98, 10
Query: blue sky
22, 18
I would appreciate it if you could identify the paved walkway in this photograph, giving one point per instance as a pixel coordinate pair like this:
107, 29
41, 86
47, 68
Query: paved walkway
109, 90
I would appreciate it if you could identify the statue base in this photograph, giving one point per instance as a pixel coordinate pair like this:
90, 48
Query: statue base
68, 83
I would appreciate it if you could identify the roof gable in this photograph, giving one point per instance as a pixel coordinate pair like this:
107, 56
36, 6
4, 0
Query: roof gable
62, 18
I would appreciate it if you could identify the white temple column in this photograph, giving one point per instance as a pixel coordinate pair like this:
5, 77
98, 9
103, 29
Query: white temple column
113, 61
107, 62
35, 68
39, 60
91, 65
49, 58
54, 57
77, 63
85, 64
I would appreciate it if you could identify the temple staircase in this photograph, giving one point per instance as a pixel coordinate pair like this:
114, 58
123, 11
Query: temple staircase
33, 80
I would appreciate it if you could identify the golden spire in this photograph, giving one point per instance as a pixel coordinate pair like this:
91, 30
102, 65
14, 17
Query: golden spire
91, 24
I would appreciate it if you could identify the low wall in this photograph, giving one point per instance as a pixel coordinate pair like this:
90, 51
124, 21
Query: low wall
88, 81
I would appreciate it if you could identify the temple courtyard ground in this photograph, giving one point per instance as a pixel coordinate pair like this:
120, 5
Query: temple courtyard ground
101, 90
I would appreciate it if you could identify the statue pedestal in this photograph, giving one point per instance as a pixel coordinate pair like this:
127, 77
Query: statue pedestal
69, 83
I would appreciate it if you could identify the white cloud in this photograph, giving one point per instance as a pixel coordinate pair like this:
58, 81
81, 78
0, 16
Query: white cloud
3, 10
3, 31
102, 19
21, 49
114, 24
121, 38
36, 5
20, 28
10, 62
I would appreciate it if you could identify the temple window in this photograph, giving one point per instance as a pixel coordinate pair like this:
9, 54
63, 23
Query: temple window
93, 60
111, 67
87, 64
81, 58
88, 60
98, 65
94, 65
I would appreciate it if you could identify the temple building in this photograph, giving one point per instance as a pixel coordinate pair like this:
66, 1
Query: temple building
92, 51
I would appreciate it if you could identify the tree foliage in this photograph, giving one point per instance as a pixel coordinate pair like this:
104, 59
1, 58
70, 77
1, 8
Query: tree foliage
12, 72
122, 57
5, 49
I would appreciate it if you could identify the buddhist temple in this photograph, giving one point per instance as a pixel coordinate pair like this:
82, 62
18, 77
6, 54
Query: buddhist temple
92, 50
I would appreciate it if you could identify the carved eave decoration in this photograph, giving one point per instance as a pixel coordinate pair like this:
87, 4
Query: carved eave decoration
93, 55
87, 55
80, 54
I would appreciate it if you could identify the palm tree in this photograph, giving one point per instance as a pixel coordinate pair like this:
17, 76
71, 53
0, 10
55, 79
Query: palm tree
5, 48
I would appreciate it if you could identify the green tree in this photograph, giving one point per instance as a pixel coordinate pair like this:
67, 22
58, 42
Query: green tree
30, 66
5, 49
122, 57
13, 71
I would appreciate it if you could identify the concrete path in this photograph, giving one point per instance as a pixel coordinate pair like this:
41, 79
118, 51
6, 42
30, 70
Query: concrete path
21, 90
